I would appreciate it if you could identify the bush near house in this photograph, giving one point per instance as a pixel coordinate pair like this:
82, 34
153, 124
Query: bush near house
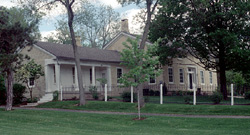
126, 96
216, 97
247, 95
18, 92
2, 91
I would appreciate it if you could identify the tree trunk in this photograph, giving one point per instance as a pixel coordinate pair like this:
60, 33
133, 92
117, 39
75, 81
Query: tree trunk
223, 83
9, 87
77, 60
139, 105
140, 98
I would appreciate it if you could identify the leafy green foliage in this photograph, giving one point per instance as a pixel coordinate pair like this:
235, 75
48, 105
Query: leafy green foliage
93, 91
138, 73
18, 91
17, 30
216, 97
215, 32
2, 91
235, 78
126, 96
55, 95
247, 95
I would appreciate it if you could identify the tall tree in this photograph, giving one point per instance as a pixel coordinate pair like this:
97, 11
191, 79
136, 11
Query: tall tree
95, 24
141, 64
17, 30
150, 9
214, 31
68, 4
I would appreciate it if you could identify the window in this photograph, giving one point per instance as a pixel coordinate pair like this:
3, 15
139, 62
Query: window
211, 77
73, 75
54, 72
170, 75
119, 74
32, 82
152, 79
90, 76
181, 75
202, 77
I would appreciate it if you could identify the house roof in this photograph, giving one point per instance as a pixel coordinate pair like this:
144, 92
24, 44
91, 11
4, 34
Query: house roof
65, 51
133, 36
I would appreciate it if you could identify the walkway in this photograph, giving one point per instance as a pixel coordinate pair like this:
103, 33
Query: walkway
143, 114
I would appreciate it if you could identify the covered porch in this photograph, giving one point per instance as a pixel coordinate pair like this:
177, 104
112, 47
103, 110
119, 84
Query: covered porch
61, 75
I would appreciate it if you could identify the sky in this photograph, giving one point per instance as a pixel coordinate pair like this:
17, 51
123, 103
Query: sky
47, 25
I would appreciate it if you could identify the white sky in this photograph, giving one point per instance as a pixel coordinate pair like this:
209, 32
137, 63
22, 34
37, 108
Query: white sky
48, 23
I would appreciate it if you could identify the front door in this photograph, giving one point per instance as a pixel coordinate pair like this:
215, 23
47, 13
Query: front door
191, 78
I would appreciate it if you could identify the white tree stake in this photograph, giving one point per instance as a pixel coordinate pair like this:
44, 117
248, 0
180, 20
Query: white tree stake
232, 94
194, 102
106, 93
132, 94
161, 94
61, 94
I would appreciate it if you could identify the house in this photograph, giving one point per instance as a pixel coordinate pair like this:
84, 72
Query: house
60, 71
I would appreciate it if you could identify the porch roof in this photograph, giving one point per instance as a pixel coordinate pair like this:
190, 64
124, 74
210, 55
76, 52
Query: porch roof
65, 51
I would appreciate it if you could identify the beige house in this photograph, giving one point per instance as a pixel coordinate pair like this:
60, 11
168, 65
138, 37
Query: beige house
61, 74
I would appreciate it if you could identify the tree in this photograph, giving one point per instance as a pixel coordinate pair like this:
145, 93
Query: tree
68, 4
96, 25
17, 30
141, 66
28, 74
150, 8
215, 32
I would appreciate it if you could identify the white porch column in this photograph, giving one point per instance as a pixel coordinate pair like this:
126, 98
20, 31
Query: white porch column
93, 75
46, 71
76, 78
109, 81
58, 76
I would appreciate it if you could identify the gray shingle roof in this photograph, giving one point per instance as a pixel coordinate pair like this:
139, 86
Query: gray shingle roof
86, 54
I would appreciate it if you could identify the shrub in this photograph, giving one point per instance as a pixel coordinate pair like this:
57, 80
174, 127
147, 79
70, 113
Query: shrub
34, 100
151, 92
247, 95
18, 91
2, 91
55, 96
216, 97
187, 99
146, 99
93, 91
126, 96
157, 93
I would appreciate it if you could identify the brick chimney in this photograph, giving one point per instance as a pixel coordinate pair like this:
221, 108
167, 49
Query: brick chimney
78, 41
124, 25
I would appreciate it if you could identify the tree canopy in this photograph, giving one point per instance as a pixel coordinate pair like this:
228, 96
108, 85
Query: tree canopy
18, 29
215, 32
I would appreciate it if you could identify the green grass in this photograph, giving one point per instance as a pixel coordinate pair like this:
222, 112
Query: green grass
28, 122
153, 108
199, 99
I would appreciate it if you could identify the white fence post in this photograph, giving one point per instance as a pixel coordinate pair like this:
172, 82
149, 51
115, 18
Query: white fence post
232, 94
132, 95
61, 93
161, 94
194, 102
106, 93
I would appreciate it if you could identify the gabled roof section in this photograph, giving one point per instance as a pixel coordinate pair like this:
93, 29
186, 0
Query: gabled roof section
86, 54
122, 34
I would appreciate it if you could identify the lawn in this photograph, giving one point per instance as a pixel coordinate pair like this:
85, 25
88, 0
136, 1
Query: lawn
28, 122
199, 99
153, 108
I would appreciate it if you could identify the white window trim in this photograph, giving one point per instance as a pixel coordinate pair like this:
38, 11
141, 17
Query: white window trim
172, 75
210, 77
31, 86
182, 76
152, 83
116, 75
203, 77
